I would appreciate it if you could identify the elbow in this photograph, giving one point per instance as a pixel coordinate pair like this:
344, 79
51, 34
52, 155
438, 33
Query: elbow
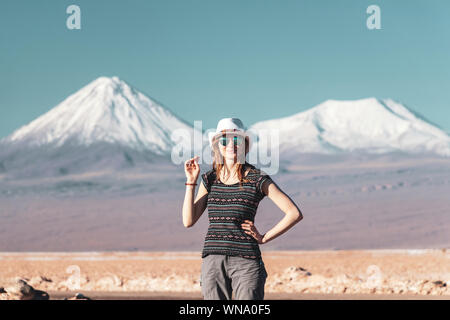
187, 224
187, 220
297, 216
294, 213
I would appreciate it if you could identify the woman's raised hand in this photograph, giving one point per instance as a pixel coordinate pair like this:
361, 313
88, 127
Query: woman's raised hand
192, 169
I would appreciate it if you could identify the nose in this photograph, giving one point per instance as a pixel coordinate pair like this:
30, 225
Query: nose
230, 144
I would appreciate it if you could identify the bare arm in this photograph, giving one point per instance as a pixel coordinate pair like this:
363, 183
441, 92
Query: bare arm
193, 210
293, 215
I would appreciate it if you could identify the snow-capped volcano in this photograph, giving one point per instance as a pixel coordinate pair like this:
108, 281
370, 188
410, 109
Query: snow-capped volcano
368, 125
105, 125
106, 110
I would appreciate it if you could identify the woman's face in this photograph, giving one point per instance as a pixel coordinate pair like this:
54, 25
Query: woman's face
232, 147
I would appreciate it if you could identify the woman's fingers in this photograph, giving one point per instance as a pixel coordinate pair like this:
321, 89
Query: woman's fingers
192, 163
247, 225
194, 159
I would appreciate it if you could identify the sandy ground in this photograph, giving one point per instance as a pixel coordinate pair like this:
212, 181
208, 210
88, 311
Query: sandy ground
358, 274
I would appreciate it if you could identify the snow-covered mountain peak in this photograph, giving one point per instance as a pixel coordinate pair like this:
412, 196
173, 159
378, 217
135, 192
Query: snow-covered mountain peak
370, 125
105, 110
110, 86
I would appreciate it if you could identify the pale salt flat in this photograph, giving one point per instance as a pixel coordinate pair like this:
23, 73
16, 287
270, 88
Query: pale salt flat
291, 274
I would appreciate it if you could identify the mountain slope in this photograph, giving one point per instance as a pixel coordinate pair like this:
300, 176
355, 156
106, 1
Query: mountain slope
367, 125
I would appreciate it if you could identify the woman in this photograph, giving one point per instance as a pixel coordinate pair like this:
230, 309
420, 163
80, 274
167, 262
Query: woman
232, 190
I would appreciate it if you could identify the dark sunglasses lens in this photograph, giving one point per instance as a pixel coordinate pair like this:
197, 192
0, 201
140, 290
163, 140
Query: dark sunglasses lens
237, 140
223, 141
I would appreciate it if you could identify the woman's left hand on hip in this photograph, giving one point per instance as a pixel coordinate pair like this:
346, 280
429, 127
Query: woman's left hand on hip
250, 229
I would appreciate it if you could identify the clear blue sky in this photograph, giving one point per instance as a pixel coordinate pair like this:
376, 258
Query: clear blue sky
208, 59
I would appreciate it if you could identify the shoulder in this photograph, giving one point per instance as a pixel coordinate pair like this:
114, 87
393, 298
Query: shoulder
210, 173
255, 172
209, 176
259, 177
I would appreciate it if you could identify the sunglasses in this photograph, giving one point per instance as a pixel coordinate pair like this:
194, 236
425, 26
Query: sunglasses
237, 140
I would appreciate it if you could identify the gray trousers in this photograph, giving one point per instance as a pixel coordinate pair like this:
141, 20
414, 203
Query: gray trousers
222, 275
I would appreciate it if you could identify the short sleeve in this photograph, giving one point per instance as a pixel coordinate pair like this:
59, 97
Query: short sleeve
259, 184
206, 180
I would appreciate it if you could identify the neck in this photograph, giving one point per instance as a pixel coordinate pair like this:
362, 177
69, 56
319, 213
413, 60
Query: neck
230, 164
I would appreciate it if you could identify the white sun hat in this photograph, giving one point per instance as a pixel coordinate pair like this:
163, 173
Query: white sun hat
230, 124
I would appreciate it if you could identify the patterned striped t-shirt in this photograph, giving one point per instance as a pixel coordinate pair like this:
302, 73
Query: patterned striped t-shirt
228, 207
